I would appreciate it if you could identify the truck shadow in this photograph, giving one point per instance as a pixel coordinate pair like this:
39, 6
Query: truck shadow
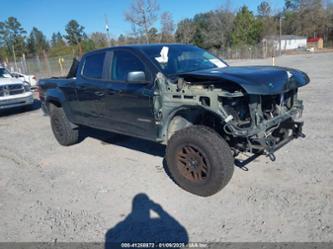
138, 144
140, 227
144, 146
17, 110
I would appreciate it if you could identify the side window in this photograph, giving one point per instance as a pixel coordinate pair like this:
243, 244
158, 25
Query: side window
93, 66
124, 62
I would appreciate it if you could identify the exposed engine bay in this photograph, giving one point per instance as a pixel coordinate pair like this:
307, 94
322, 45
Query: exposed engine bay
259, 124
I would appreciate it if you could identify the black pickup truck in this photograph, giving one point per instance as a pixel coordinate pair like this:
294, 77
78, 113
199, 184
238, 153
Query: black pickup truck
205, 111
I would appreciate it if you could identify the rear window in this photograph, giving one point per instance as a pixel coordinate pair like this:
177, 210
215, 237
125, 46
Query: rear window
93, 66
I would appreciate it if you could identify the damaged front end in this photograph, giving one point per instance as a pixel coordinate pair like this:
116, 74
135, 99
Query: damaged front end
259, 123
265, 124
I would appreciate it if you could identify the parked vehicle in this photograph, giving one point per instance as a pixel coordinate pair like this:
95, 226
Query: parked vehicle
31, 79
14, 92
205, 111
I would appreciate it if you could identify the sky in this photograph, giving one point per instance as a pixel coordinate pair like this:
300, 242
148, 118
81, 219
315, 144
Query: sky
52, 15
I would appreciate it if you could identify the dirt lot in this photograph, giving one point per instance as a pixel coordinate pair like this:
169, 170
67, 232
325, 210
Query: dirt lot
85, 192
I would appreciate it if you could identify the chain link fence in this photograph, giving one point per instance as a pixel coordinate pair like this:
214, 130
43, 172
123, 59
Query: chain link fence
41, 66
46, 66
259, 51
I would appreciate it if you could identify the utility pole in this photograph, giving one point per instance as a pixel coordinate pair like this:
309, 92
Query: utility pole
280, 45
107, 29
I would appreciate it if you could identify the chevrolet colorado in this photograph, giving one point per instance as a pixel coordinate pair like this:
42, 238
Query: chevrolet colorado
205, 111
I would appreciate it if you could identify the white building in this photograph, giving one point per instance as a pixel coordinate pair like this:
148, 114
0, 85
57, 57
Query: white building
288, 42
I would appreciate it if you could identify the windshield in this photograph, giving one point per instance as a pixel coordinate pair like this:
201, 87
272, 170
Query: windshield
4, 73
176, 59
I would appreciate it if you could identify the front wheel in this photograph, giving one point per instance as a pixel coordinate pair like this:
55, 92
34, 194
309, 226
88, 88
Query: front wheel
199, 160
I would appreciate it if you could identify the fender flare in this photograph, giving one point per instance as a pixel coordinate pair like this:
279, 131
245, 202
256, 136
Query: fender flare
193, 110
54, 96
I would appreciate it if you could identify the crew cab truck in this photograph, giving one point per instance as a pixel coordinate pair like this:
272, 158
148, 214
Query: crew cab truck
205, 111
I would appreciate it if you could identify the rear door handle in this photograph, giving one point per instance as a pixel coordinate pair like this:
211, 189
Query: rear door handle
99, 93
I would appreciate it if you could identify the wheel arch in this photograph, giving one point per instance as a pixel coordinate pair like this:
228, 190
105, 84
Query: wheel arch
55, 97
53, 101
186, 116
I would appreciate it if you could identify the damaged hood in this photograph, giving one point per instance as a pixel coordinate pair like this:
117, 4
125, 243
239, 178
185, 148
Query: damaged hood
263, 80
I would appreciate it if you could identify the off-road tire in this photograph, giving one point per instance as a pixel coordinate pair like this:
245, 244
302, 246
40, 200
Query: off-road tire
215, 151
64, 131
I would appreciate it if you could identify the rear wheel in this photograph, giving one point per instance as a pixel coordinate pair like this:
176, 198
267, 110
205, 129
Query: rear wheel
199, 160
64, 131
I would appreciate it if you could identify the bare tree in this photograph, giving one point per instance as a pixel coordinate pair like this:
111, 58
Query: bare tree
268, 22
218, 37
167, 27
264, 9
185, 31
142, 14
100, 39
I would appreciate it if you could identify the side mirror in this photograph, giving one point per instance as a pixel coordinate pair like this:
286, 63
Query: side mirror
136, 77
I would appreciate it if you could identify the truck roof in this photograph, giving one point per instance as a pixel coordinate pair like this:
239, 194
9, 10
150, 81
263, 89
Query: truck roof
152, 45
140, 46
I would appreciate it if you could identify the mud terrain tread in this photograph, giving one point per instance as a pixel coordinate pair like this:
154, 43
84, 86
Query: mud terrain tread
70, 134
220, 157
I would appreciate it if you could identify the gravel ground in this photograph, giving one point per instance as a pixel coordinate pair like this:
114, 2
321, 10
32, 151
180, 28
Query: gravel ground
114, 187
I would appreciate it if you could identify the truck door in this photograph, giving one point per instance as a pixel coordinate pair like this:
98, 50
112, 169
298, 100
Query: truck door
128, 95
91, 90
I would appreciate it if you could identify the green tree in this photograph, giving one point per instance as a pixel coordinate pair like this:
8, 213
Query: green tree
246, 29
74, 33
57, 40
153, 35
291, 5
12, 36
201, 27
59, 46
121, 39
37, 42
3, 45
3, 54
88, 45
213, 29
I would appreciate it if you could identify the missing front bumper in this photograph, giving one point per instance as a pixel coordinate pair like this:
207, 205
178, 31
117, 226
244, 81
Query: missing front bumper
267, 145
269, 149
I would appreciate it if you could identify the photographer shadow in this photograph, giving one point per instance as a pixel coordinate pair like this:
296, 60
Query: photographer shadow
140, 227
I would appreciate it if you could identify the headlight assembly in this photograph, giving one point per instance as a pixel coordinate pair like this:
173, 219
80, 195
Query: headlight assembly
27, 86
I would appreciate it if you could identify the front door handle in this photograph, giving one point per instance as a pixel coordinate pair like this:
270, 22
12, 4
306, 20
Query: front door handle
99, 93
